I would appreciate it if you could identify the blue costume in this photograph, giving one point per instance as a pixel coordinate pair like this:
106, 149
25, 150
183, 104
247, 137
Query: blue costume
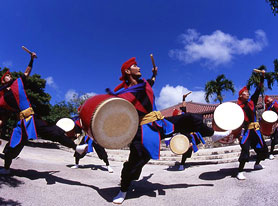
251, 135
146, 143
29, 125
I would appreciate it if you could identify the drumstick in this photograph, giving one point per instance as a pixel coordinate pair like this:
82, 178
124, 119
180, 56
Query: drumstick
152, 60
27, 50
258, 71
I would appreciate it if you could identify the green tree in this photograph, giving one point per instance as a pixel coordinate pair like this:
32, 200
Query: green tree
217, 87
35, 90
58, 111
273, 5
254, 80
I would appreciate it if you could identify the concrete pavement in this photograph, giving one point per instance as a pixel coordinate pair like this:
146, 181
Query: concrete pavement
42, 176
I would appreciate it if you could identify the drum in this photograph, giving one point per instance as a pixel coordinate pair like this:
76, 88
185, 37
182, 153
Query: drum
111, 121
228, 116
267, 122
179, 144
67, 125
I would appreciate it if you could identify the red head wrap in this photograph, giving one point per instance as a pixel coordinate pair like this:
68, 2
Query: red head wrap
6, 73
242, 90
175, 112
265, 98
125, 66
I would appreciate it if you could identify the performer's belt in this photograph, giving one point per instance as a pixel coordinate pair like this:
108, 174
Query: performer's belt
151, 117
24, 114
254, 125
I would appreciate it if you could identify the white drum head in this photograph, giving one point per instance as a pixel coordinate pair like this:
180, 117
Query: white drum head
115, 123
66, 124
179, 144
228, 116
269, 116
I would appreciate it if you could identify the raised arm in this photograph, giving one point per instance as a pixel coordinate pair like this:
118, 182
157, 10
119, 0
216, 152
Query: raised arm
30, 65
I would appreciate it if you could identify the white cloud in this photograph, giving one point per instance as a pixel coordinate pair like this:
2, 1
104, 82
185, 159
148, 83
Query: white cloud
217, 48
71, 94
7, 64
50, 82
170, 96
91, 94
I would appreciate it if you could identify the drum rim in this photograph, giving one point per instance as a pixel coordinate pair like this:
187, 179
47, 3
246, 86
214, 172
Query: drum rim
93, 120
239, 111
187, 143
69, 120
272, 112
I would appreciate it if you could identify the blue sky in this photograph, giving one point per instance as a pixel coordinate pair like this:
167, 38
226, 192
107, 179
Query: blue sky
81, 45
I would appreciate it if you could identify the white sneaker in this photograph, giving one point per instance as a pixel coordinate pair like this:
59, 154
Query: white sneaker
119, 199
74, 167
110, 170
240, 176
271, 157
81, 148
181, 168
258, 167
4, 171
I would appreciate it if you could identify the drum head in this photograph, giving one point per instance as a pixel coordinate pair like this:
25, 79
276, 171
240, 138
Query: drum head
179, 144
66, 124
114, 123
269, 116
228, 116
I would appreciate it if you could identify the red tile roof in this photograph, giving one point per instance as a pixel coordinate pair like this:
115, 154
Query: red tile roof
206, 109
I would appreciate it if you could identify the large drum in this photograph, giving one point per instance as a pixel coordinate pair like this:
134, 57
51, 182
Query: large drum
67, 125
111, 121
228, 116
179, 144
267, 122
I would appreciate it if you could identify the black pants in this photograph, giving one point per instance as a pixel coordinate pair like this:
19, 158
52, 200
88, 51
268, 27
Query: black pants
139, 156
101, 153
45, 131
252, 141
274, 140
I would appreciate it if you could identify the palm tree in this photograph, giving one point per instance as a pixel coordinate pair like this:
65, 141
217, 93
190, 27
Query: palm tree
254, 80
217, 87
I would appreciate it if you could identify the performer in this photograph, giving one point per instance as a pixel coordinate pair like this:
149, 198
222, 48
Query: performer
272, 104
153, 126
250, 135
13, 98
91, 144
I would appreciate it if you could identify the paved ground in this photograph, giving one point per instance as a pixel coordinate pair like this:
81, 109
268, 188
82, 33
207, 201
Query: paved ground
42, 176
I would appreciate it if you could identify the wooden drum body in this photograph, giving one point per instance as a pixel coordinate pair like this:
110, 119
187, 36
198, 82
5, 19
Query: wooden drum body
267, 122
111, 121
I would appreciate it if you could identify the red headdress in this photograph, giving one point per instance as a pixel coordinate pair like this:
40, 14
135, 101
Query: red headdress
175, 112
265, 98
124, 67
5, 74
242, 90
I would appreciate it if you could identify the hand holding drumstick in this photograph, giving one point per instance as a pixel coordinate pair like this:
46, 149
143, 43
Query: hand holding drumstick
154, 70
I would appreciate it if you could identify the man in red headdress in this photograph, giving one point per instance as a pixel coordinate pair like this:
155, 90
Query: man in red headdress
272, 104
153, 126
13, 98
250, 135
